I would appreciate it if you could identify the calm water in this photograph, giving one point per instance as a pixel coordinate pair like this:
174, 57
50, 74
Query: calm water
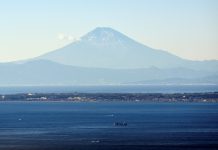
111, 89
67, 125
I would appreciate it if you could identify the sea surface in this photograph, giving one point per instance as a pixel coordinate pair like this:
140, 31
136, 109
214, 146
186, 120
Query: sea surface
110, 89
90, 126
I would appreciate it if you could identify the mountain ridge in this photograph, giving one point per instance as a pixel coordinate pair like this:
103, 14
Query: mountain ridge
44, 72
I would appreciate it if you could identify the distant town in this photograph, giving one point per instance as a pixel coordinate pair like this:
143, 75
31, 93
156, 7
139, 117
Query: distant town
113, 97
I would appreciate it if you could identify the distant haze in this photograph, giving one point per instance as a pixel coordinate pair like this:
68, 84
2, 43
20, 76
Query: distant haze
186, 28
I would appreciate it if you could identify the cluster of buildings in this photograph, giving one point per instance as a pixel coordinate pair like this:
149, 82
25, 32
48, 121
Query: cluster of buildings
92, 97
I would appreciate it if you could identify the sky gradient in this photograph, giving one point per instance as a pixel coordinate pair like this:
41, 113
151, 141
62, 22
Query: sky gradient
186, 28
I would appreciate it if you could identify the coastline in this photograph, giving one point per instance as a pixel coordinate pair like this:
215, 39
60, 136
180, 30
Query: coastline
207, 97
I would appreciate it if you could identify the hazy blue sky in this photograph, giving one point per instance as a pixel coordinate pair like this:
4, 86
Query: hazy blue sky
187, 28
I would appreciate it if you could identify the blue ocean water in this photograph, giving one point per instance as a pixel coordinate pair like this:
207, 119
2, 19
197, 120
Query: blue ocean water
111, 89
90, 125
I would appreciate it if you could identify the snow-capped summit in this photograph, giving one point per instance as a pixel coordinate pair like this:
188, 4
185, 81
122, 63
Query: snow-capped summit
104, 35
100, 34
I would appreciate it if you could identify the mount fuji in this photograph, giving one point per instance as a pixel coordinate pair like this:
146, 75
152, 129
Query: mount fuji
105, 56
107, 48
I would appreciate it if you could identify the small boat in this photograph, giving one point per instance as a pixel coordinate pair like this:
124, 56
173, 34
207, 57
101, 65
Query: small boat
95, 141
123, 124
